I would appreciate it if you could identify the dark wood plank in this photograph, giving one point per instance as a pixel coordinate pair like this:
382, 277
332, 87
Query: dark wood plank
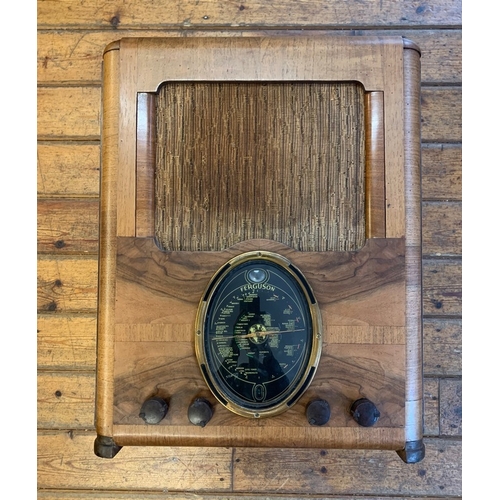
66, 342
441, 114
145, 159
67, 284
442, 347
66, 400
441, 229
68, 169
107, 495
431, 407
68, 226
442, 287
450, 415
67, 460
302, 13
442, 172
348, 472
69, 112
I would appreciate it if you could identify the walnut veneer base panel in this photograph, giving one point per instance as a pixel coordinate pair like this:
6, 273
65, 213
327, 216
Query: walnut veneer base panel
361, 296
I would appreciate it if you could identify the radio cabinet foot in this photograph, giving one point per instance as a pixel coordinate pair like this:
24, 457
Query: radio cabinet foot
413, 452
105, 447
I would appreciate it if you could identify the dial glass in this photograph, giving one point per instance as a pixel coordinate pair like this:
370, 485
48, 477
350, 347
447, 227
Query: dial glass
258, 335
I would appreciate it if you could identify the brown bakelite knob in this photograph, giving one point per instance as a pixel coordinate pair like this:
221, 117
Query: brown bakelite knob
318, 412
200, 412
153, 410
364, 412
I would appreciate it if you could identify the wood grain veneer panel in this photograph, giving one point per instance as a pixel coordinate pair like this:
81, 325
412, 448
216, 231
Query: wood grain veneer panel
145, 161
352, 288
281, 161
362, 303
413, 215
375, 165
126, 75
272, 437
376, 63
107, 246
346, 373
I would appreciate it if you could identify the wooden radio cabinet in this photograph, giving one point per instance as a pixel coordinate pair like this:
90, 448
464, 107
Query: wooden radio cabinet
260, 244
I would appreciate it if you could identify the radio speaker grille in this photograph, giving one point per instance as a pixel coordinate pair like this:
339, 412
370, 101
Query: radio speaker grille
281, 161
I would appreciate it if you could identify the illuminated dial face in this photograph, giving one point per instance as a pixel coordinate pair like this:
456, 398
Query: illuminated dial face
258, 335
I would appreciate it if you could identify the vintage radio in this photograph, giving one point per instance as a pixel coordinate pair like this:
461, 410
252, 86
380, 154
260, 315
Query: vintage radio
260, 244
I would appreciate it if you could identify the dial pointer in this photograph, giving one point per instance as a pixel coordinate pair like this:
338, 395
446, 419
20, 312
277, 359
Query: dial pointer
257, 334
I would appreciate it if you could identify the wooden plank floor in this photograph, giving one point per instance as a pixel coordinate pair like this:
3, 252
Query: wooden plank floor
71, 39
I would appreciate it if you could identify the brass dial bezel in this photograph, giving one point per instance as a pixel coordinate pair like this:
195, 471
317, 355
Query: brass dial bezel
316, 335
